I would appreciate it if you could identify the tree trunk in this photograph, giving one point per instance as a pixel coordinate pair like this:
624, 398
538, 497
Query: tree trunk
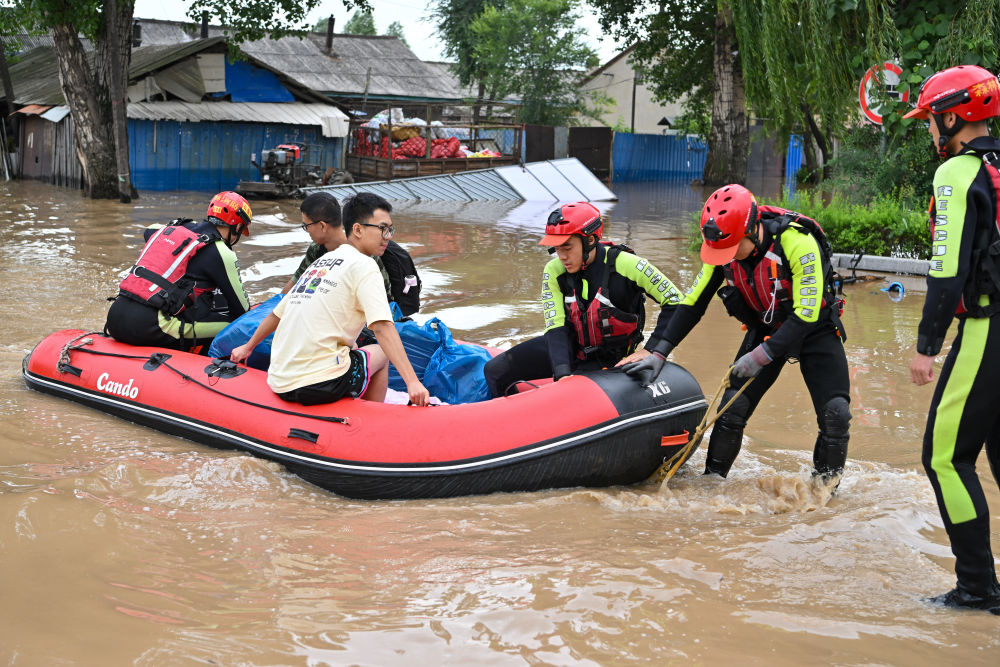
91, 112
8, 86
821, 143
477, 109
489, 105
118, 58
728, 139
809, 153
87, 88
9, 122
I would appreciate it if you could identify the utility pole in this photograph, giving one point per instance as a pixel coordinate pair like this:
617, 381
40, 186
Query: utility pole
635, 82
368, 80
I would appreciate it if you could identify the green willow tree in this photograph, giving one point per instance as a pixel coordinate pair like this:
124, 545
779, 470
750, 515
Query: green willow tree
686, 50
798, 63
361, 23
933, 35
803, 61
453, 20
86, 81
814, 88
930, 35
532, 49
395, 29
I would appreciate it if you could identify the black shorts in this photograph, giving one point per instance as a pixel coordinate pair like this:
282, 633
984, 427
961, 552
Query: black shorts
352, 383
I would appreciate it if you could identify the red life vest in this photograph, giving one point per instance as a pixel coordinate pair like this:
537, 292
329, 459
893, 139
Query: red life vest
602, 326
767, 288
157, 278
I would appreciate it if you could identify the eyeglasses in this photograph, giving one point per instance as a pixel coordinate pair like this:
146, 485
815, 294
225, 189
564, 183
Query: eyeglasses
305, 225
387, 230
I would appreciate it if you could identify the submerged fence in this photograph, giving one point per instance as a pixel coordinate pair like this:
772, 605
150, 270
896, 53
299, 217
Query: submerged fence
169, 155
654, 157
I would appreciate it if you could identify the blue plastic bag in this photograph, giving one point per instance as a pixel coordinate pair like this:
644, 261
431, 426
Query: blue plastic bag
455, 371
420, 341
239, 332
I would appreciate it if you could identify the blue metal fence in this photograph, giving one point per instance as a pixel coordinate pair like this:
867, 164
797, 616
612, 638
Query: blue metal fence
793, 162
209, 157
655, 157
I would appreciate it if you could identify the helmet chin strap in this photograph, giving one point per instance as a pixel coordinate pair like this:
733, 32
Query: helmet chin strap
754, 235
588, 247
945, 134
233, 235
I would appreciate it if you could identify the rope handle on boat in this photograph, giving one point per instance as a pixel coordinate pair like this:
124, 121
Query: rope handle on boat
513, 384
64, 366
670, 466
160, 361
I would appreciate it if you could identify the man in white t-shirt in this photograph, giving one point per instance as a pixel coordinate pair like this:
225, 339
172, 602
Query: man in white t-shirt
316, 324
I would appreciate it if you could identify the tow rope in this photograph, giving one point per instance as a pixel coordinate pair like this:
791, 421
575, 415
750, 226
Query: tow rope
670, 466
64, 366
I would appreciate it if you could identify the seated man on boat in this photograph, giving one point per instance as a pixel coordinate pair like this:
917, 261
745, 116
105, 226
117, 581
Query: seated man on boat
186, 286
314, 358
399, 274
773, 268
593, 296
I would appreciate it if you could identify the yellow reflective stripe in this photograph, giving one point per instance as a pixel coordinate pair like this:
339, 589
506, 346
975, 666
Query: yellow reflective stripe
950, 410
703, 278
650, 279
233, 272
952, 181
806, 265
172, 327
552, 307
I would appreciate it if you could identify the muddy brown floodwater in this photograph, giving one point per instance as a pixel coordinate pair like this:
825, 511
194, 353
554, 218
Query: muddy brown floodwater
121, 545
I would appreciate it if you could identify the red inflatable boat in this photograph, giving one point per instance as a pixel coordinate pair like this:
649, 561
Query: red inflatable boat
595, 429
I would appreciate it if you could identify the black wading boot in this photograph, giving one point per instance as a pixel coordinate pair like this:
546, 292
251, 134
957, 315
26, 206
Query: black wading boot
723, 447
977, 580
830, 450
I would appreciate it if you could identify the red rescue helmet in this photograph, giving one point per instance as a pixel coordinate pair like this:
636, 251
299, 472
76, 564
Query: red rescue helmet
971, 92
728, 217
578, 218
229, 208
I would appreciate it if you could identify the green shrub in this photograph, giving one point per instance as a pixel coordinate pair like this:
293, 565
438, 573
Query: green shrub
869, 166
886, 227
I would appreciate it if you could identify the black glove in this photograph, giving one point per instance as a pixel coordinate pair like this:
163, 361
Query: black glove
647, 369
750, 364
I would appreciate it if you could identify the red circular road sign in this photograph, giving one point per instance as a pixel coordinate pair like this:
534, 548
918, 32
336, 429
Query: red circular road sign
890, 73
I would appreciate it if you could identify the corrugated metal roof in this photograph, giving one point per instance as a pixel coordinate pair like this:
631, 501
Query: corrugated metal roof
36, 75
333, 121
395, 71
153, 57
25, 42
487, 184
36, 79
431, 187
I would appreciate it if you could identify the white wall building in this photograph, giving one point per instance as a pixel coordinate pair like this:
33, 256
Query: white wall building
634, 108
